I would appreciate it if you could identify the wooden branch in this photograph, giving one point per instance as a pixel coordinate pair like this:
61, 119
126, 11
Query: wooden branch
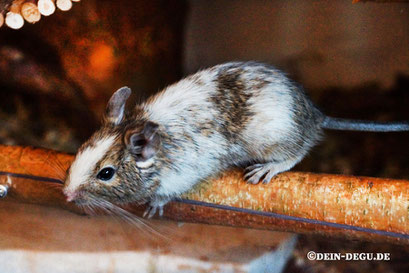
332, 205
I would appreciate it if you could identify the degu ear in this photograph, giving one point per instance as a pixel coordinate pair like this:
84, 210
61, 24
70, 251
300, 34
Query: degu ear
143, 143
116, 106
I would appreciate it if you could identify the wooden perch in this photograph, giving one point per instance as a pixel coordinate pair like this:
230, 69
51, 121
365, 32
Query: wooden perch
332, 205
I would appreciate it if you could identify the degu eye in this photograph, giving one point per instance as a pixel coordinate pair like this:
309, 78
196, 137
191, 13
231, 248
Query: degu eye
106, 173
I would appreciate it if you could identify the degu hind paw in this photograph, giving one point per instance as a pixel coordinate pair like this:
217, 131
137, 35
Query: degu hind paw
256, 172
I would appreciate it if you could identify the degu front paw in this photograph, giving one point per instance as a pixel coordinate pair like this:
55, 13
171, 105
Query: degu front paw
151, 210
154, 206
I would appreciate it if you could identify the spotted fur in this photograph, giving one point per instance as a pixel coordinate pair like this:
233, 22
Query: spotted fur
231, 114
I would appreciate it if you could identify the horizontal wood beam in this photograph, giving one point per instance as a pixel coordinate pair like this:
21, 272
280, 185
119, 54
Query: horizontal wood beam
332, 205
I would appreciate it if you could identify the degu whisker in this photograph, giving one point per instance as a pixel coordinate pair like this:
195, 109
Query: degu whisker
122, 214
60, 169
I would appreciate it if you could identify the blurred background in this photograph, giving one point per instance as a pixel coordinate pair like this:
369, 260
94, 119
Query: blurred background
353, 59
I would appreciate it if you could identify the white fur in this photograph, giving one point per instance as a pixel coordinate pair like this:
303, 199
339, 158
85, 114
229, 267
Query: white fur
174, 107
195, 166
178, 99
273, 121
145, 164
84, 163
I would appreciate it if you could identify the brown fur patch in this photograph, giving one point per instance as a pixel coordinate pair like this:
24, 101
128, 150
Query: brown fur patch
259, 83
207, 128
231, 100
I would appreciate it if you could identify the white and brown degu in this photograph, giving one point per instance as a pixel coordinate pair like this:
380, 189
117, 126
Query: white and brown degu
244, 114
